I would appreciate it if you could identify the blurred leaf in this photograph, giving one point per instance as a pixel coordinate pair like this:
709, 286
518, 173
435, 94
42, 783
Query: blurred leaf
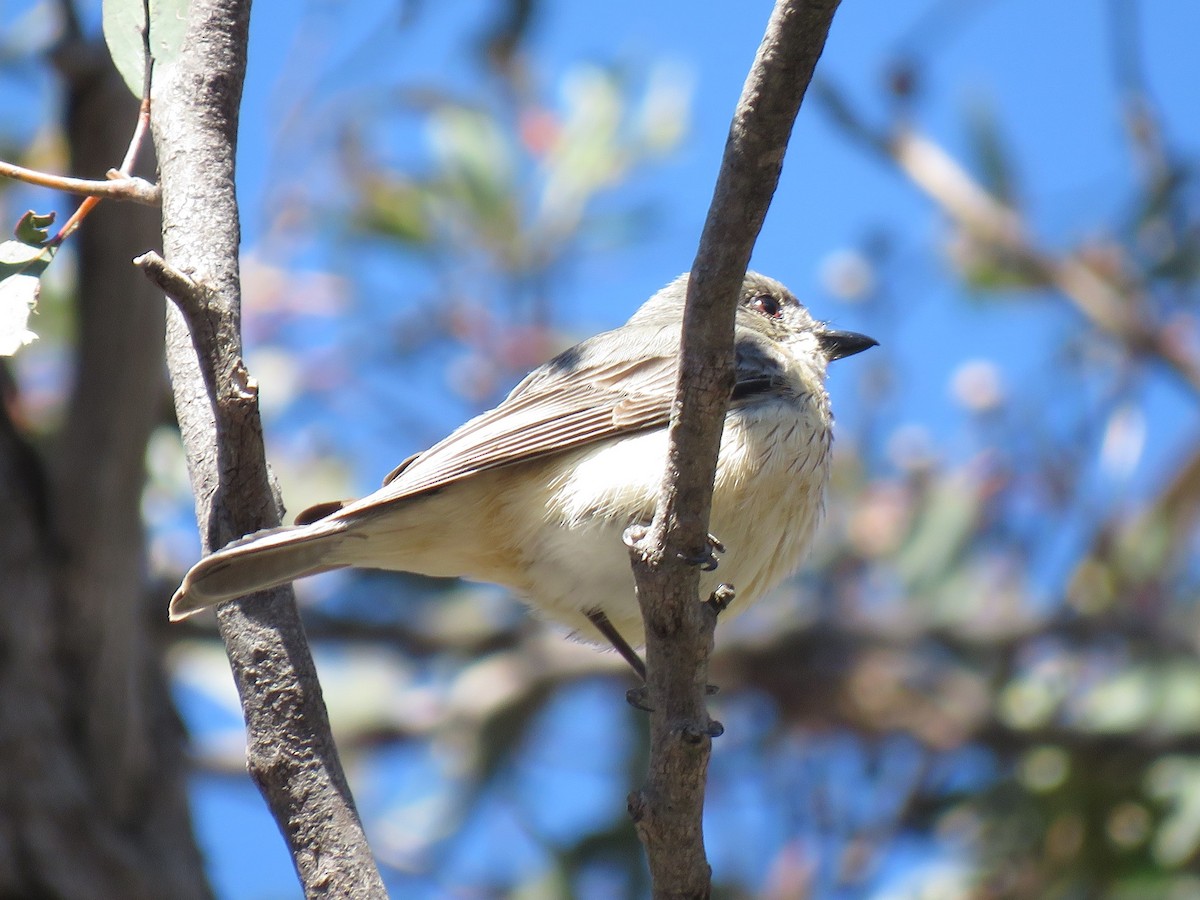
31, 228
615, 848
1182, 266
1175, 780
837, 105
1143, 554
1030, 702
502, 41
1181, 260
21, 265
503, 732
123, 21
991, 157
939, 533
1178, 709
1122, 703
1172, 514
1149, 697
1163, 194
986, 268
397, 209
477, 170
587, 155
663, 117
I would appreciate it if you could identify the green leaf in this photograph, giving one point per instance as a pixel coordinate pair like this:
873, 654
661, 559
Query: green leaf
31, 228
21, 266
123, 21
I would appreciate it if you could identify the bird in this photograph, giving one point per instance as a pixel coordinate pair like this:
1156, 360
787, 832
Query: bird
536, 494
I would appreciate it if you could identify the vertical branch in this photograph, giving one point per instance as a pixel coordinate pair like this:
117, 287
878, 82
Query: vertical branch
291, 752
679, 629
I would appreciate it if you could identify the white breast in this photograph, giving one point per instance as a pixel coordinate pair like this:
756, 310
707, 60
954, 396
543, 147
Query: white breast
767, 500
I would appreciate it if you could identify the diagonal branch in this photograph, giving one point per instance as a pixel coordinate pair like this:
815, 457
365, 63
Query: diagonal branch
1118, 309
679, 629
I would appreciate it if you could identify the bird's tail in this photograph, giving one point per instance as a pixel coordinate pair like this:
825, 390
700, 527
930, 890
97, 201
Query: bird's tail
257, 562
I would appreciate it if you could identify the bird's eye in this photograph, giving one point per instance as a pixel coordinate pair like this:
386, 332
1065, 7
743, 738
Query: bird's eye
767, 305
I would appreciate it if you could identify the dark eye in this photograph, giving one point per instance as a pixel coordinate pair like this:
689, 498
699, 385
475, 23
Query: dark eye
767, 305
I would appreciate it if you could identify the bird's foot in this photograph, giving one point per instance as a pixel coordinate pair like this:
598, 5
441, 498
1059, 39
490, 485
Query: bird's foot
637, 697
706, 559
635, 534
694, 735
719, 600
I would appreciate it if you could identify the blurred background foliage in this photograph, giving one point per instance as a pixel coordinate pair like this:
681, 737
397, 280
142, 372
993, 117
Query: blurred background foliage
984, 682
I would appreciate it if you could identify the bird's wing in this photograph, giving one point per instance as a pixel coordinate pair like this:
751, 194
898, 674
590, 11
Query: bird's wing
578, 398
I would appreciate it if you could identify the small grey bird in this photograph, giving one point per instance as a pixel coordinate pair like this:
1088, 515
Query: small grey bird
536, 494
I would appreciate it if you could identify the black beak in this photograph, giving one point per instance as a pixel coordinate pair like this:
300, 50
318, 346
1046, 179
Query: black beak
839, 344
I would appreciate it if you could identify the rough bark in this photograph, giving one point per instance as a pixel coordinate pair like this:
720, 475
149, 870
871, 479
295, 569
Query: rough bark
291, 754
93, 801
679, 630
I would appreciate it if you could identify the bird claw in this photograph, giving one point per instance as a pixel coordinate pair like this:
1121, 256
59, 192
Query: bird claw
694, 735
637, 697
707, 559
634, 534
720, 598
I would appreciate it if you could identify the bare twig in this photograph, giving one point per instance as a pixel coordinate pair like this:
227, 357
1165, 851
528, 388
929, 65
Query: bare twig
187, 293
678, 628
127, 188
1116, 308
1141, 118
142, 128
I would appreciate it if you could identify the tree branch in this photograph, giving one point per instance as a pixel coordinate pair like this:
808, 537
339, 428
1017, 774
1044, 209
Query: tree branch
1118, 309
291, 753
121, 188
679, 630
186, 293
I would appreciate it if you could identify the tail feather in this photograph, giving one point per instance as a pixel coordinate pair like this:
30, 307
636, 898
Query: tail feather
260, 561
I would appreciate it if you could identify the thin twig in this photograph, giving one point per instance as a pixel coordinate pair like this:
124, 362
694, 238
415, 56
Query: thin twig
143, 121
186, 293
1140, 111
140, 130
130, 188
1117, 309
